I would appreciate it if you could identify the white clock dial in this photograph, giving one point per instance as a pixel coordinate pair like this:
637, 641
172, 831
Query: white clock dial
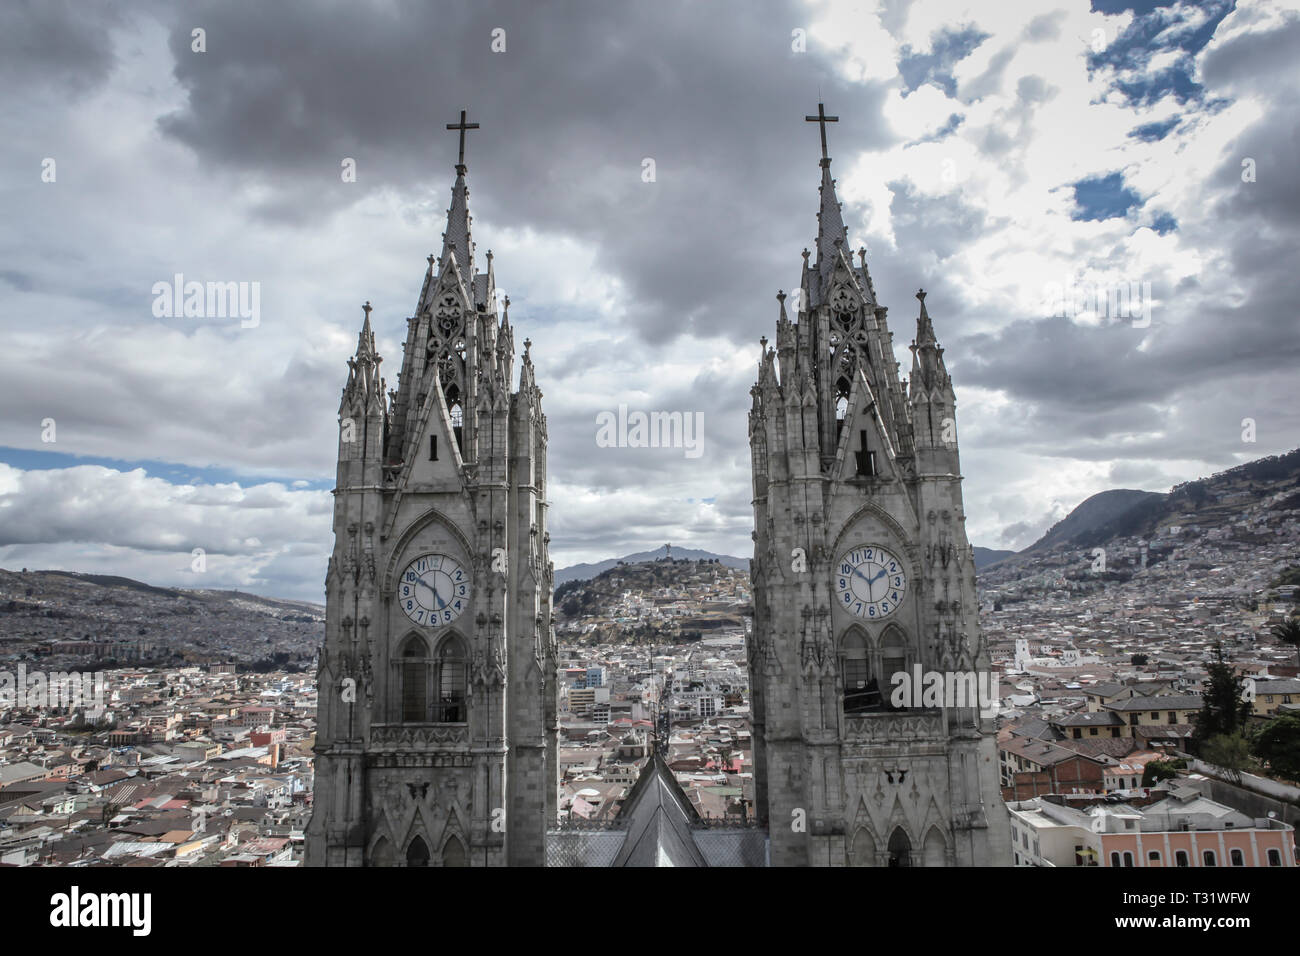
870, 582
433, 590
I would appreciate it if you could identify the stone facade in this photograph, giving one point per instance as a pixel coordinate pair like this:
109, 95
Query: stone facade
436, 742
862, 571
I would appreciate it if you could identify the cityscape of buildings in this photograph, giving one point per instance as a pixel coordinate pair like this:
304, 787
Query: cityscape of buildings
192, 757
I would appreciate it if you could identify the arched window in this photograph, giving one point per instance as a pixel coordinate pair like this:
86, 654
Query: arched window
413, 679
457, 415
382, 854
934, 848
1274, 858
1180, 858
900, 848
1114, 858
1208, 857
893, 658
864, 848
1153, 857
841, 405
861, 692
1237, 858
453, 853
451, 681
1128, 858
417, 854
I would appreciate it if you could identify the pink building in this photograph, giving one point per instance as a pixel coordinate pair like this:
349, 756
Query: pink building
1184, 829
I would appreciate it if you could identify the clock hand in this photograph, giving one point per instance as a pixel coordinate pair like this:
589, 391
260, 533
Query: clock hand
436, 597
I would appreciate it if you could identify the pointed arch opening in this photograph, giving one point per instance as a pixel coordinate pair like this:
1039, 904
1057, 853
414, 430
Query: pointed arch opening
893, 656
456, 412
841, 404
900, 848
381, 854
417, 853
863, 850
453, 853
934, 851
861, 689
452, 680
413, 680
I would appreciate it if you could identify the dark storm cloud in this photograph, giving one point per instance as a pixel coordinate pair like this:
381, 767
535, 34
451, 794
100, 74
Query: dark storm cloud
287, 90
55, 44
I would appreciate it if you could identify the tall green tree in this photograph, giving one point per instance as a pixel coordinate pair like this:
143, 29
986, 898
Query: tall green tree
1288, 632
1222, 709
1278, 745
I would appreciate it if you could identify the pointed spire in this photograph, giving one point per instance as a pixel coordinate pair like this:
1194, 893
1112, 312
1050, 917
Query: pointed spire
456, 241
924, 328
364, 382
830, 222
831, 233
928, 369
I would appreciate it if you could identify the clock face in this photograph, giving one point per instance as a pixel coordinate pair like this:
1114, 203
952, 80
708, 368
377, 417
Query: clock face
433, 590
870, 582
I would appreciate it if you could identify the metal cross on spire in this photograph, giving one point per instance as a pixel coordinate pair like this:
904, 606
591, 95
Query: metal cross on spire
822, 119
462, 126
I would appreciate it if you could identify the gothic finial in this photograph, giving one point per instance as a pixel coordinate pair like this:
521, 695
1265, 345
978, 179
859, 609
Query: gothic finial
462, 126
862, 254
762, 342
366, 308
806, 254
780, 295
489, 256
528, 343
431, 257
821, 119
920, 294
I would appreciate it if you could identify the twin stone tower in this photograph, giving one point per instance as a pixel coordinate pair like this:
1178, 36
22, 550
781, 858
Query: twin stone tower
437, 732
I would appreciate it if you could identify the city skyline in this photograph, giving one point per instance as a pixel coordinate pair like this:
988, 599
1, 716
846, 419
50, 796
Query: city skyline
988, 159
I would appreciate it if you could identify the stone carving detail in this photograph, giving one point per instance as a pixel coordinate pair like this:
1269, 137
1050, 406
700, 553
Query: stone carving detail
417, 736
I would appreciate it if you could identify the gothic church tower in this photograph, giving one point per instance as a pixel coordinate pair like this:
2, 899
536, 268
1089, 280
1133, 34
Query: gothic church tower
862, 571
436, 736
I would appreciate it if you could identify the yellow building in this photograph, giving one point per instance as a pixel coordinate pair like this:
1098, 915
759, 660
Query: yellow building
1267, 697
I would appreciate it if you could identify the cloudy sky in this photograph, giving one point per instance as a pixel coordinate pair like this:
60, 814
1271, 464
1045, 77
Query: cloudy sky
991, 152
